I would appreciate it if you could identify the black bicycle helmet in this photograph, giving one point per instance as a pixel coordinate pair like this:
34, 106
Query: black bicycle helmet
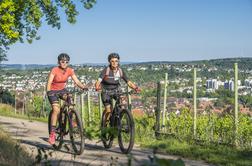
63, 56
113, 55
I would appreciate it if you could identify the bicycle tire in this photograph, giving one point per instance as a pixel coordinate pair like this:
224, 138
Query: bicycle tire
128, 128
60, 129
106, 136
76, 129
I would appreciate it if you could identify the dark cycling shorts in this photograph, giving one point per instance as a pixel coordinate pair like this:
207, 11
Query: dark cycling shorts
107, 97
55, 95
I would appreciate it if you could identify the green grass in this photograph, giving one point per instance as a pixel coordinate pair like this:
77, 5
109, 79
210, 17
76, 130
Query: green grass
11, 153
7, 110
215, 154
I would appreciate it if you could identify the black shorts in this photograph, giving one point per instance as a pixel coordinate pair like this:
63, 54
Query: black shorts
55, 95
107, 96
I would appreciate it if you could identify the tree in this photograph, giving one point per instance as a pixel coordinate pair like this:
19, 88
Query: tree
2, 55
6, 97
246, 101
21, 19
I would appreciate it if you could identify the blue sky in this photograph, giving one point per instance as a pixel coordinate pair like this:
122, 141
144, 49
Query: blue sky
146, 30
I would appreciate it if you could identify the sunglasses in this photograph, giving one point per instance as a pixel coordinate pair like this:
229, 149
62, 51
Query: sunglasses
116, 61
64, 62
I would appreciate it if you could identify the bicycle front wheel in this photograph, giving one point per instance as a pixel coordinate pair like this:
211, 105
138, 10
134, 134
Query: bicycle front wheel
76, 132
126, 134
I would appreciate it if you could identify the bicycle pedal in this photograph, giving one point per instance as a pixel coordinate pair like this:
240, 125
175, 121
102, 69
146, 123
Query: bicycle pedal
66, 133
66, 147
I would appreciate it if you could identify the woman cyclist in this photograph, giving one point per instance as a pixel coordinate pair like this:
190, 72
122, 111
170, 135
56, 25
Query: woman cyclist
56, 88
109, 81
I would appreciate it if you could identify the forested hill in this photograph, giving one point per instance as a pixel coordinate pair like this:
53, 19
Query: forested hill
243, 63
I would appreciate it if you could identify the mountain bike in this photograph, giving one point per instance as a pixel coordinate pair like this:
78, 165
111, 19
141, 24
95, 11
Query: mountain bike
68, 122
120, 124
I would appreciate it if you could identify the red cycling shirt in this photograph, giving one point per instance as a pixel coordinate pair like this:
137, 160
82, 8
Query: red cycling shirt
60, 77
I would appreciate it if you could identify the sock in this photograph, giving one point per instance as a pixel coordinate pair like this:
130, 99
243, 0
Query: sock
53, 128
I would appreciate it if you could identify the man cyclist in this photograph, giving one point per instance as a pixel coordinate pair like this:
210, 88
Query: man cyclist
109, 81
56, 89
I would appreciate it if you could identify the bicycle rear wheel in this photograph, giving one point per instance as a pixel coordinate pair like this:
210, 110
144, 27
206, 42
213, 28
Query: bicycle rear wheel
126, 134
76, 132
60, 129
107, 135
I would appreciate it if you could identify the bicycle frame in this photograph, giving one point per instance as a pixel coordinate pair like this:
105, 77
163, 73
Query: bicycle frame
67, 119
67, 106
119, 113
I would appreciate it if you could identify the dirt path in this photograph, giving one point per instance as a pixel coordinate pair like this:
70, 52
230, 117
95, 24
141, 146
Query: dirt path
33, 135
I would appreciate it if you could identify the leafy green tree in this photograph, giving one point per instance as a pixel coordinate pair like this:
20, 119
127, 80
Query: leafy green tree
246, 101
2, 56
21, 19
6, 97
38, 102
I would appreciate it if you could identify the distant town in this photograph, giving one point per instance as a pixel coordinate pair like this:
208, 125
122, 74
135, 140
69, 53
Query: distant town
213, 78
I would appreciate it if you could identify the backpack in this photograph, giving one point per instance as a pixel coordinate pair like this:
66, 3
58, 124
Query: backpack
108, 70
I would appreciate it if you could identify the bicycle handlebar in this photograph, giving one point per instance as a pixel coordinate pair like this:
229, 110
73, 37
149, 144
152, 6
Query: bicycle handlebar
83, 91
69, 92
120, 93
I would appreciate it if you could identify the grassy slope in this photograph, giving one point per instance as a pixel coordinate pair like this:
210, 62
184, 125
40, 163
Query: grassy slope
11, 153
7, 110
221, 155
216, 154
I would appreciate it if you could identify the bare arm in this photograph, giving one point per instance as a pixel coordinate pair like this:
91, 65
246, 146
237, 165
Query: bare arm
77, 81
98, 84
134, 86
49, 81
131, 84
